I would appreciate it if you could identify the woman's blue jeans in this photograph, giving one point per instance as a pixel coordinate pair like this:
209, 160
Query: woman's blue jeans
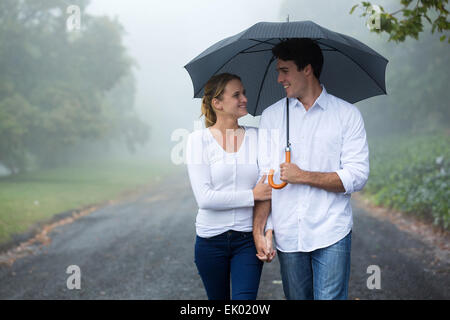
322, 274
229, 256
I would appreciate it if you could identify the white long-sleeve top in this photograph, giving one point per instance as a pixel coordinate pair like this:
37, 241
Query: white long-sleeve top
329, 137
222, 182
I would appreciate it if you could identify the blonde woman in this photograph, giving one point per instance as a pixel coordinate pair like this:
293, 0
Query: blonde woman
222, 167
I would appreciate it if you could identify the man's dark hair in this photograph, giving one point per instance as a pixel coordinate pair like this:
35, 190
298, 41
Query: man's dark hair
302, 51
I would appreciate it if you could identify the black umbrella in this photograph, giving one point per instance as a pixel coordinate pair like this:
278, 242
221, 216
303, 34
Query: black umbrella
351, 71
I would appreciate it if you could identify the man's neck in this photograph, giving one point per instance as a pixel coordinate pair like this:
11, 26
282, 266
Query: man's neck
312, 93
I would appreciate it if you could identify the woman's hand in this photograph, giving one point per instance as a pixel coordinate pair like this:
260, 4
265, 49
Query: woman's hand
262, 191
264, 246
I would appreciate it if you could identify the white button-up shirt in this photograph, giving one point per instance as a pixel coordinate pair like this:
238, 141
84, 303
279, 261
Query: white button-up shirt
329, 137
222, 182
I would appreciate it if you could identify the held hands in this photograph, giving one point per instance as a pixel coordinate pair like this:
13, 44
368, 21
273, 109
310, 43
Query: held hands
264, 248
262, 191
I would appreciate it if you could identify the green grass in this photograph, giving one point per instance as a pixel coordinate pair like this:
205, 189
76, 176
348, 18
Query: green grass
35, 197
412, 174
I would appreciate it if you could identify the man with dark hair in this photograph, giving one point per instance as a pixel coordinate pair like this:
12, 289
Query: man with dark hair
311, 217
302, 51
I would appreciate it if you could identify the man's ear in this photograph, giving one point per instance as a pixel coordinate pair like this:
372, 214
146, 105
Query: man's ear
308, 70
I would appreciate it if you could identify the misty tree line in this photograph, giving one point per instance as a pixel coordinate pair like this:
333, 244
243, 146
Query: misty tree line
60, 90
417, 90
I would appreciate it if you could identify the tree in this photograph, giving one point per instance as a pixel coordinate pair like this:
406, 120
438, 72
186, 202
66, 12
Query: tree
56, 86
410, 23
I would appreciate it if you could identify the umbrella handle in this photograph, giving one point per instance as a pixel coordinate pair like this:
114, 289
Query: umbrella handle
270, 176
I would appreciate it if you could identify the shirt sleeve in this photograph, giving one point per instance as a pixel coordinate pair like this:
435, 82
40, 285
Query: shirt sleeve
200, 177
266, 146
265, 143
354, 170
269, 225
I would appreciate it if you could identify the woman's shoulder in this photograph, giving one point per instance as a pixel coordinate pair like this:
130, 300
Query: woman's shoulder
197, 138
251, 134
251, 129
198, 134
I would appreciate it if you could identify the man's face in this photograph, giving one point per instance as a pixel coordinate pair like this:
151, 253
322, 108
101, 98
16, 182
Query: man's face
293, 81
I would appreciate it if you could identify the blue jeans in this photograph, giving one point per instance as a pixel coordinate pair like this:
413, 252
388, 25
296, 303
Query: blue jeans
231, 254
322, 274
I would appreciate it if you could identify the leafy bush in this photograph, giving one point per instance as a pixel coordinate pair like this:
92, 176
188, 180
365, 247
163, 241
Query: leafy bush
411, 174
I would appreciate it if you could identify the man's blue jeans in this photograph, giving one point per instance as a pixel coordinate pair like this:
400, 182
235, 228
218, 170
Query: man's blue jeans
322, 274
230, 254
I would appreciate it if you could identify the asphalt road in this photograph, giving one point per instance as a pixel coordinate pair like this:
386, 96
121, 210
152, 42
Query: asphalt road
143, 247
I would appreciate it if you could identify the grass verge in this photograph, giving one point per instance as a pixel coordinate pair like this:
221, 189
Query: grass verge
411, 174
30, 198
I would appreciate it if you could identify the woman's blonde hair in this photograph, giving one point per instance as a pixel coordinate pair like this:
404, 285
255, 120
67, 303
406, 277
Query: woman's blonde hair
214, 88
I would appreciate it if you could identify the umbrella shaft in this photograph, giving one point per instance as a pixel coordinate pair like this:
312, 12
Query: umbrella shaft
287, 123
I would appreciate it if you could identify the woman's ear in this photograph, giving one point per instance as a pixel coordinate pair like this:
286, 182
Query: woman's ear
216, 104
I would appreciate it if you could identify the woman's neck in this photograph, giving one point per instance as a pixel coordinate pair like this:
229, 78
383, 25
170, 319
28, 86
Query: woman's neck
226, 124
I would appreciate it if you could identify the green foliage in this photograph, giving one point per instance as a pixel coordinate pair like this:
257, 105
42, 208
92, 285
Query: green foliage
56, 85
411, 174
417, 89
411, 22
16, 116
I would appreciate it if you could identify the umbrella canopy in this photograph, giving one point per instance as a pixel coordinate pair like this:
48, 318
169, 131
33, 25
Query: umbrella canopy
351, 71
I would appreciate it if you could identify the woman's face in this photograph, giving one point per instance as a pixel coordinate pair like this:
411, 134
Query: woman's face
234, 101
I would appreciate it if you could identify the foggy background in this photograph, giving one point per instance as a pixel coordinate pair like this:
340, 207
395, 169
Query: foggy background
87, 117
165, 36
160, 37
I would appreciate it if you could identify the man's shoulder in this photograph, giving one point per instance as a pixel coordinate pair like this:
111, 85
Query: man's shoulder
343, 107
274, 108
338, 102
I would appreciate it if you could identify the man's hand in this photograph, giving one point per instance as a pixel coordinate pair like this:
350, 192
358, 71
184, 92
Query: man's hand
330, 181
291, 173
264, 247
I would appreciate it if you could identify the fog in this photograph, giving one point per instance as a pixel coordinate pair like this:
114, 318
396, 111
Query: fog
163, 36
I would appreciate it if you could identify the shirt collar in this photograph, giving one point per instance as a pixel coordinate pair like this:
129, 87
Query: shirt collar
321, 101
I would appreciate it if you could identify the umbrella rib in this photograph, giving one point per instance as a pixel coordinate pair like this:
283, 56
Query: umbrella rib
262, 82
256, 51
265, 41
376, 82
259, 42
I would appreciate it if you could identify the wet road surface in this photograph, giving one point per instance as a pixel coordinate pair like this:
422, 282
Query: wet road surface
143, 248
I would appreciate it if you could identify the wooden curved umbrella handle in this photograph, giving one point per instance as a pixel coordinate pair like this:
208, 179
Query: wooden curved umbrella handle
270, 176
